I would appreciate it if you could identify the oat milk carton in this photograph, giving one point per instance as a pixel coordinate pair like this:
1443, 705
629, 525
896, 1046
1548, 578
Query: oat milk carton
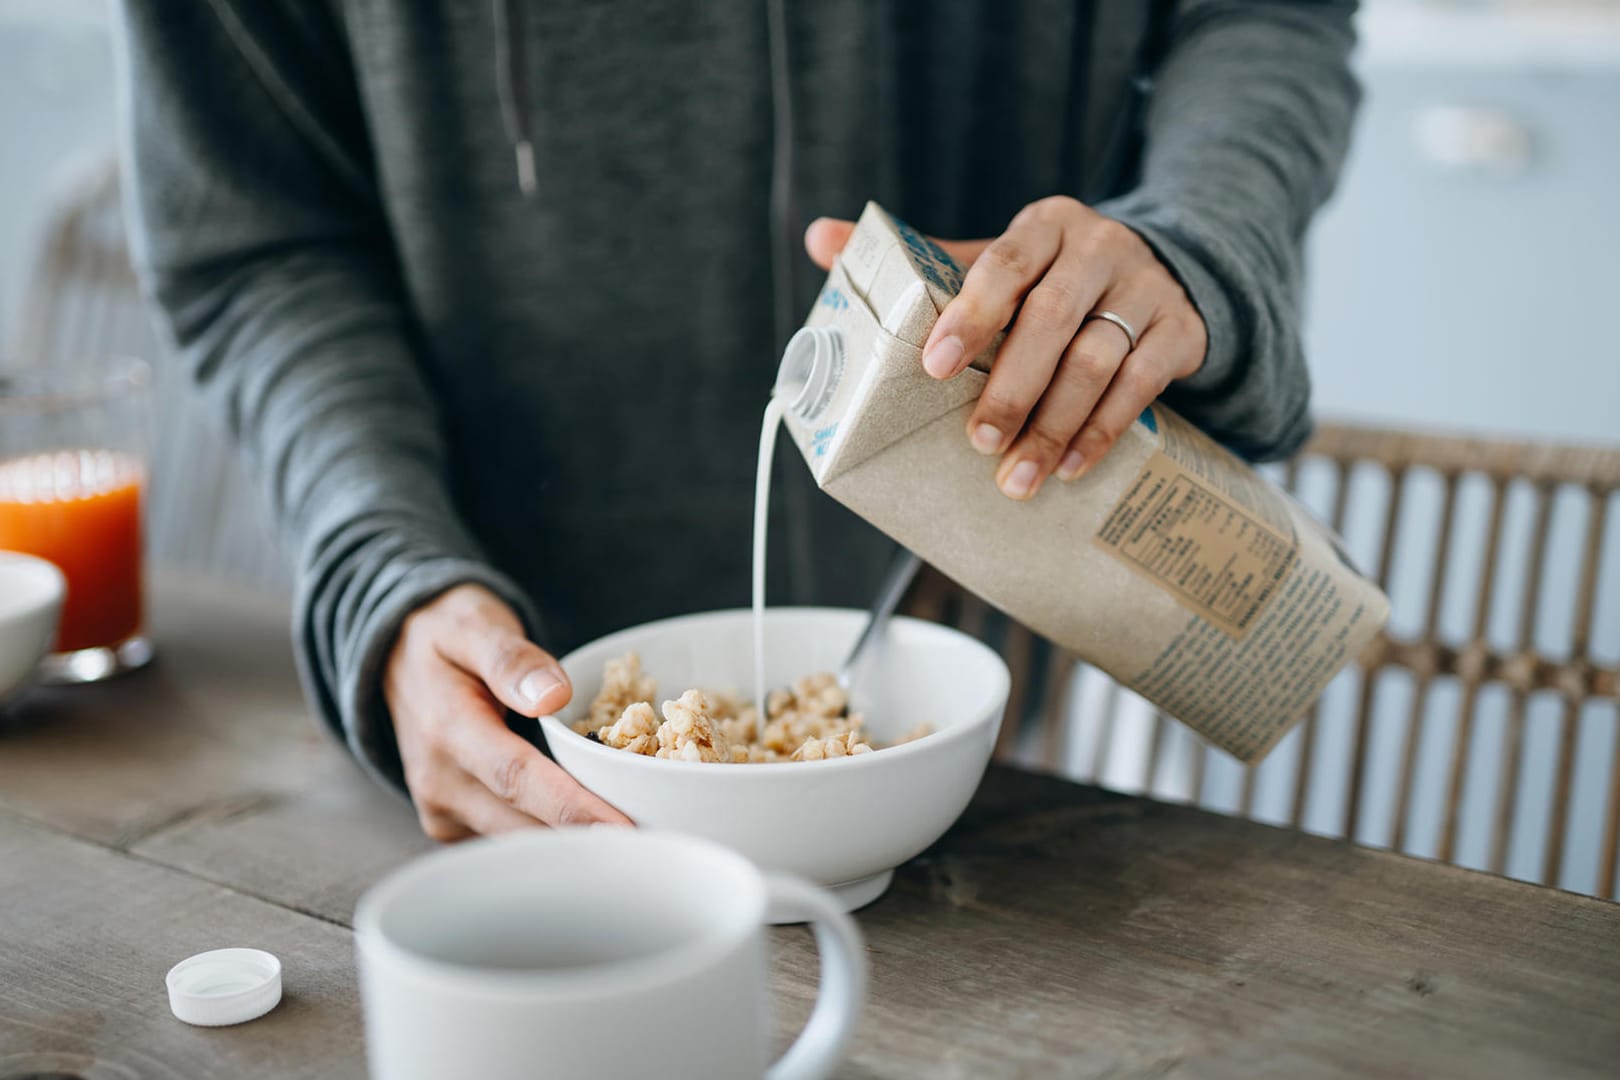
1172, 565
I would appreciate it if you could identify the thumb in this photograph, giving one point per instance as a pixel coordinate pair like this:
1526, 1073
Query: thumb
520, 674
825, 238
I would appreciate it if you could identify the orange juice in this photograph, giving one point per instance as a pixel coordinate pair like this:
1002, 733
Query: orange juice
80, 509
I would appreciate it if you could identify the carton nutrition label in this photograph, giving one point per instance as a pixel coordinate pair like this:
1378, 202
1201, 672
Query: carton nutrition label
1219, 557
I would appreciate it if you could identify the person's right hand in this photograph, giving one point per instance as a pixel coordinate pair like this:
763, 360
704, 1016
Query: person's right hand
460, 661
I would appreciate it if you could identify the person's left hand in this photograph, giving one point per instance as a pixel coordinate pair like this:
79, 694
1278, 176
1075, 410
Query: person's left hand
1064, 386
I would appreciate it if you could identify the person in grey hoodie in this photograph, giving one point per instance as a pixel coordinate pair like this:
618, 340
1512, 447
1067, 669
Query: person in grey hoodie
491, 295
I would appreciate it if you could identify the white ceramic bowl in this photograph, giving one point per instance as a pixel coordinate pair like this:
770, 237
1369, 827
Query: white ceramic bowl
844, 822
31, 592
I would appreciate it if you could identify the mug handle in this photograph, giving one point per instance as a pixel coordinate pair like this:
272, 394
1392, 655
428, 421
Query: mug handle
825, 1039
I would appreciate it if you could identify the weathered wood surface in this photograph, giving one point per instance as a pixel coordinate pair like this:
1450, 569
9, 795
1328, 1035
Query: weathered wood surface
1063, 931
216, 720
1057, 931
86, 936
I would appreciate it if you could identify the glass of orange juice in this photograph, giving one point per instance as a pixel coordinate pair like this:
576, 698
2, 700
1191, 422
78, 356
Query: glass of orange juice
73, 451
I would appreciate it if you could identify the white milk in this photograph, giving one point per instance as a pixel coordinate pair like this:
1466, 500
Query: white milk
768, 426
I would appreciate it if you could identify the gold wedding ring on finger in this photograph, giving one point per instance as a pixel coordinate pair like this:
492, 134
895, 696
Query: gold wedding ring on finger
1119, 321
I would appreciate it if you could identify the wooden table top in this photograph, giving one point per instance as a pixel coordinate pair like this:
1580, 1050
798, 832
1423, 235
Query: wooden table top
1056, 931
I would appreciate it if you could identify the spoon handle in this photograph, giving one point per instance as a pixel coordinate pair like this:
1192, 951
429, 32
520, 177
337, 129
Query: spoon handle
894, 587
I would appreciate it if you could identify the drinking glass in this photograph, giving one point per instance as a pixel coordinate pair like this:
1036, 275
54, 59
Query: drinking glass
73, 453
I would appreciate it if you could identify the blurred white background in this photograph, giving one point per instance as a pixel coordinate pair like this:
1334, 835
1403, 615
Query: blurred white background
56, 117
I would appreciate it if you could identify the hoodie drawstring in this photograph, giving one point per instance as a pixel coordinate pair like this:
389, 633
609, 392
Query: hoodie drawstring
511, 86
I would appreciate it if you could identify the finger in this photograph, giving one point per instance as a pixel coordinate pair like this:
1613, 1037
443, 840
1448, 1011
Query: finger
443, 827
825, 238
1140, 380
522, 777
1027, 360
1082, 377
487, 641
434, 701
992, 290
486, 815
450, 802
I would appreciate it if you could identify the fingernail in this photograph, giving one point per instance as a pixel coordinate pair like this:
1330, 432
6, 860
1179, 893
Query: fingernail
986, 439
536, 685
1070, 466
1021, 481
942, 360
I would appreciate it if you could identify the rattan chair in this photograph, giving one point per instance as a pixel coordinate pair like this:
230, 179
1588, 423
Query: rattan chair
82, 303
1533, 520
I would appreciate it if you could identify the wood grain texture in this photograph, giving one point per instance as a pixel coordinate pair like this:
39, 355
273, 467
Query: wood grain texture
215, 722
86, 937
1061, 931
1056, 931
315, 850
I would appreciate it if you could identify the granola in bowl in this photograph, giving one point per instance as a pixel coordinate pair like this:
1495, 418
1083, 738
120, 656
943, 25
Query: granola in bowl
808, 721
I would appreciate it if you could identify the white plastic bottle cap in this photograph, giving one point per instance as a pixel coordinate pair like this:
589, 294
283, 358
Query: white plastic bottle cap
225, 986
812, 365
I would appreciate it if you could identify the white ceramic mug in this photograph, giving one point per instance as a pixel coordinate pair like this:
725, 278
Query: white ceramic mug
594, 953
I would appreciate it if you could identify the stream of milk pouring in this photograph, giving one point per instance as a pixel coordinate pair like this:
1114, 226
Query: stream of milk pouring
771, 421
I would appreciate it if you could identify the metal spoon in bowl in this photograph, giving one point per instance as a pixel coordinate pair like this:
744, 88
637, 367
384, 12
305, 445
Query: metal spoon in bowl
894, 587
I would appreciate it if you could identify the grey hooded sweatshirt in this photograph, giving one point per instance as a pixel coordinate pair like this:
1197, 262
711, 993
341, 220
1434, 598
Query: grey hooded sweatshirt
495, 293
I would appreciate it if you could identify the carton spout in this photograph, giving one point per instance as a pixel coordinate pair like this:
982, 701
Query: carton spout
851, 382
812, 366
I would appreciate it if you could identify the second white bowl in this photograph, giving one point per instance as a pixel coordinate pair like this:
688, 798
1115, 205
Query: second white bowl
31, 594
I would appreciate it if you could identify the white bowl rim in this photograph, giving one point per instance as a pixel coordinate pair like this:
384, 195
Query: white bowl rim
37, 570
984, 714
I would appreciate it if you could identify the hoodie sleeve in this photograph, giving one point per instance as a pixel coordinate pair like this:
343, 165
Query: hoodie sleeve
1247, 126
258, 234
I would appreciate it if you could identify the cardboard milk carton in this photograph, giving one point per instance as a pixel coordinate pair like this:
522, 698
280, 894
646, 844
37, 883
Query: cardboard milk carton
1172, 565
